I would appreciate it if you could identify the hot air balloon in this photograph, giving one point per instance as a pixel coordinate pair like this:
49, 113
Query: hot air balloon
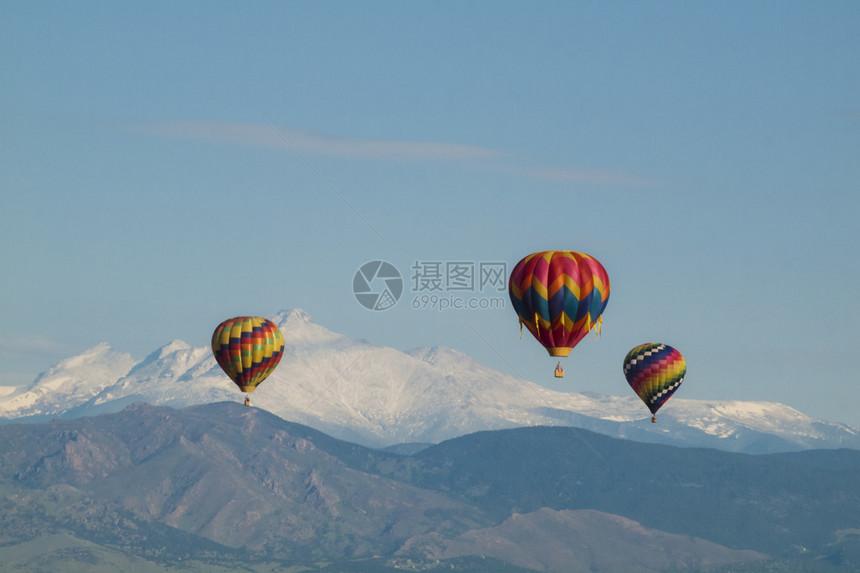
247, 348
559, 296
654, 371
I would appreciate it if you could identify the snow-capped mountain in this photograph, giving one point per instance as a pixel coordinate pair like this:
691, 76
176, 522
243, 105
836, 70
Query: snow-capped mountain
65, 384
380, 396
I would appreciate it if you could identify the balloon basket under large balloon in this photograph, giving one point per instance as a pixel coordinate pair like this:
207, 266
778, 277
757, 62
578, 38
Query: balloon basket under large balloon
248, 401
559, 371
653, 419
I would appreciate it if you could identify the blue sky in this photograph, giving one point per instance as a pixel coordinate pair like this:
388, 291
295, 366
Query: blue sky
168, 165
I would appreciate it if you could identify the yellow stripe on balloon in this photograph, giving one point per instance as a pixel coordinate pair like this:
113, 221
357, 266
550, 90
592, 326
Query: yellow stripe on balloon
539, 287
571, 285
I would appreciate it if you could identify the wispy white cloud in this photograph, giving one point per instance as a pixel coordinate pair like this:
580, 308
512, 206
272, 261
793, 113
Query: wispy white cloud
308, 142
592, 176
264, 135
28, 345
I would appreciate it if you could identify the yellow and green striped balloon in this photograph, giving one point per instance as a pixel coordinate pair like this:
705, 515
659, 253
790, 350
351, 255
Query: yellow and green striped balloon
247, 348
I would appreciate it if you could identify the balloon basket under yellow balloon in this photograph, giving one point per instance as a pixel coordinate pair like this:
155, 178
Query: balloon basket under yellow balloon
559, 351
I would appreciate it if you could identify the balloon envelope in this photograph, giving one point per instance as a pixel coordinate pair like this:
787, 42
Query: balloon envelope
247, 348
559, 296
654, 371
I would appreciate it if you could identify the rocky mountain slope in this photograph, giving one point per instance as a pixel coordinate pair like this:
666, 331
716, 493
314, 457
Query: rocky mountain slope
221, 486
251, 486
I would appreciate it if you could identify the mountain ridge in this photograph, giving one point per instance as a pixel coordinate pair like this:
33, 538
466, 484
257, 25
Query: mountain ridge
380, 396
257, 488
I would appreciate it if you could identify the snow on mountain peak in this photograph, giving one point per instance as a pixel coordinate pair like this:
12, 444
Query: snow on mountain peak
172, 359
380, 396
171, 348
83, 375
299, 314
446, 359
84, 358
298, 328
428, 354
291, 315
722, 418
101, 358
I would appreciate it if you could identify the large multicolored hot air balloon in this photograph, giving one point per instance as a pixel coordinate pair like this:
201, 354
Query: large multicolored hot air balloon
247, 348
654, 371
559, 296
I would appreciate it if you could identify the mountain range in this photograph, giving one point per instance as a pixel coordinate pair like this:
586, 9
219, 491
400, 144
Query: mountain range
379, 396
222, 487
